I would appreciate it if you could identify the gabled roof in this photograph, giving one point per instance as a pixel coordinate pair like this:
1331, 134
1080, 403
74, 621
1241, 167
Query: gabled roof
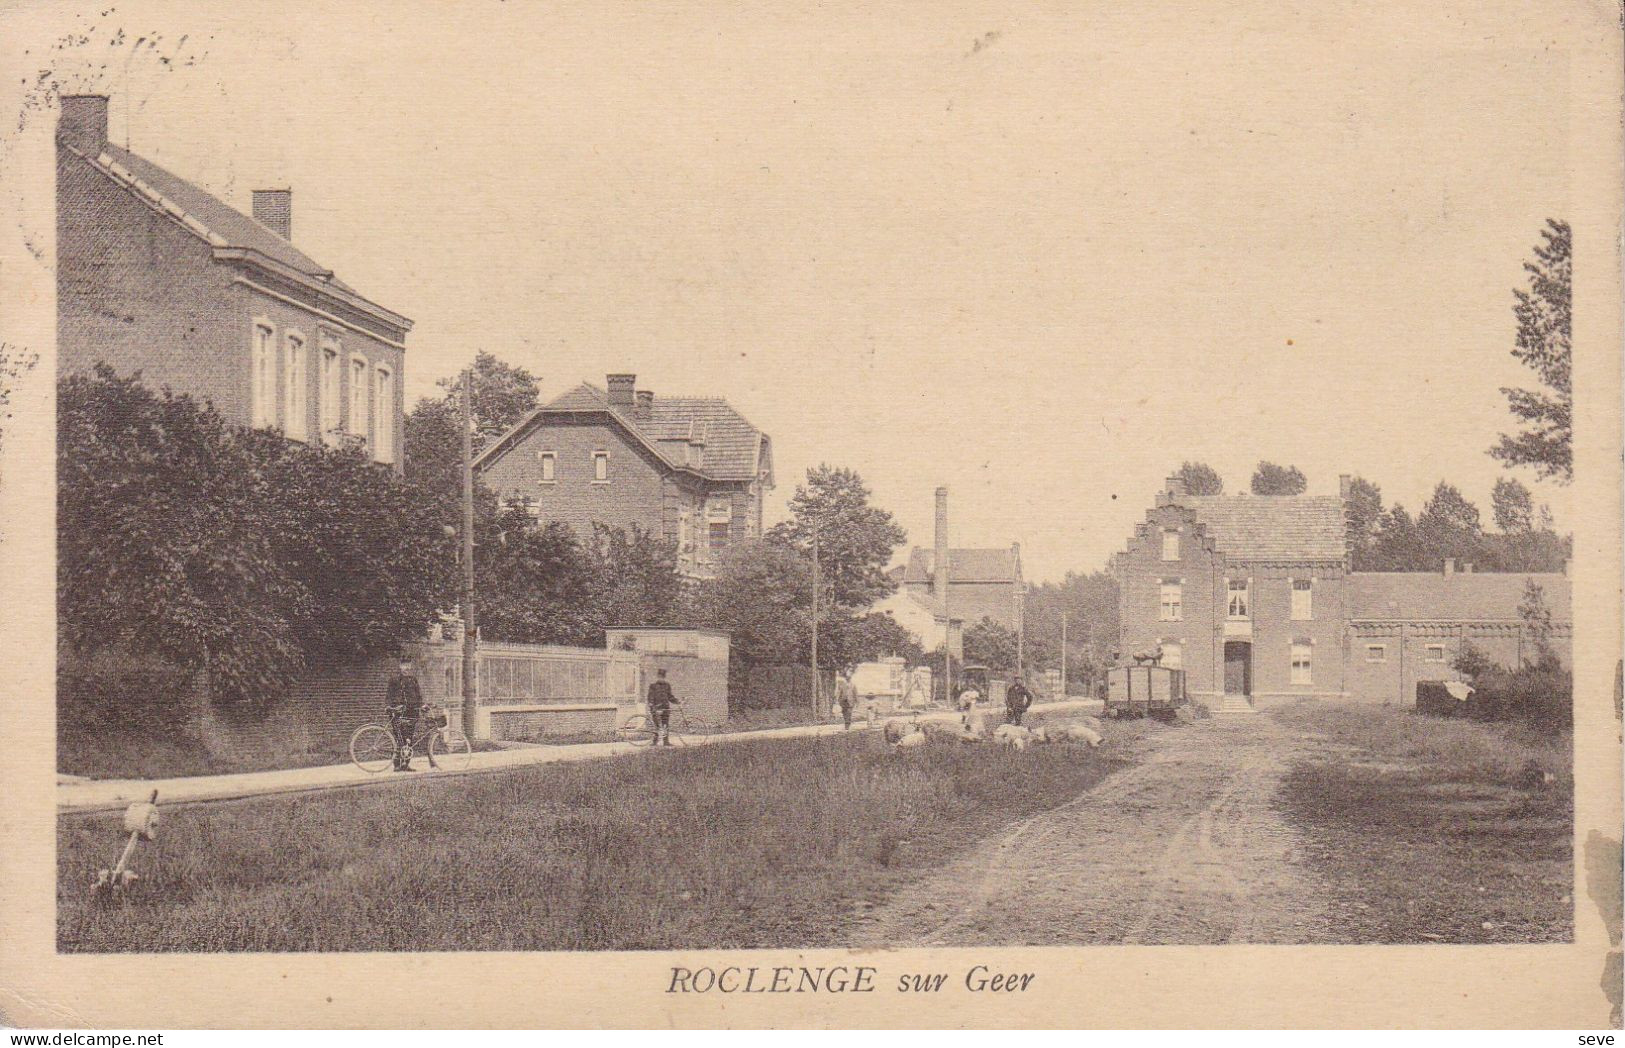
1463, 596
1272, 527
964, 565
729, 447
225, 228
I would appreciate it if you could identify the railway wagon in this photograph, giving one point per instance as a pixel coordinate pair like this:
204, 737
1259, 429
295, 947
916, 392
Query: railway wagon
1142, 691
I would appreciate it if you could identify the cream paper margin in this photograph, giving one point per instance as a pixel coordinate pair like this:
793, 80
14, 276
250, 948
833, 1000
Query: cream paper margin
1113, 986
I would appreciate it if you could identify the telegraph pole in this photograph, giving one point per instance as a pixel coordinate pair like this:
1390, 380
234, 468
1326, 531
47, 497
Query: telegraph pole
1063, 653
818, 702
471, 701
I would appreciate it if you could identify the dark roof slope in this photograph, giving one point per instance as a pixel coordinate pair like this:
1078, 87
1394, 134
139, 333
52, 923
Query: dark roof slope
964, 565
1462, 596
731, 448
1272, 527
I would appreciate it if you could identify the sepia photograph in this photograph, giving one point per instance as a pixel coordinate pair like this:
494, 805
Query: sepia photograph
605, 480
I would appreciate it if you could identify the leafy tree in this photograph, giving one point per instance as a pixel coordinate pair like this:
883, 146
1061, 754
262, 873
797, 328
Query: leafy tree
228, 550
533, 583
633, 580
855, 540
1270, 479
1513, 507
991, 644
1398, 545
1545, 441
845, 639
762, 595
1200, 478
1362, 511
1537, 619
502, 395
1448, 526
1090, 604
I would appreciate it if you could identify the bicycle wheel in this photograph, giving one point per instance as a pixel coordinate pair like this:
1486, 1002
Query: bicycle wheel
372, 747
637, 730
449, 749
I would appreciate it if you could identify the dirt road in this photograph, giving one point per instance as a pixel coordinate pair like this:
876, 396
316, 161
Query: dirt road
1185, 847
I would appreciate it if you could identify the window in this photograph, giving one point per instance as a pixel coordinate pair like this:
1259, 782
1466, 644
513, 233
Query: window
384, 439
1300, 663
263, 379
1433, 653
719, 537
329, 392
1302, 593
1239, 606
600, 467
293, 387
1171, 606
358, 396
549, 465
1173, 655
1170, 544
1376, 653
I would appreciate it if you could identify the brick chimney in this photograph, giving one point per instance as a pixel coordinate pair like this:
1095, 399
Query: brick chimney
621, 391
273, 208
83, 123
1175, 485
645, 405
939, 566
1344, 483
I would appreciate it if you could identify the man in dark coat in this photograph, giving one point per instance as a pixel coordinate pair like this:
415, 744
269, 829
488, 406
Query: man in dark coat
403, 701
660, 703
1017, 700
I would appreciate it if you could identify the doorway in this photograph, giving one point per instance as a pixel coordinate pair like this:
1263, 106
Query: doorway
1238, 667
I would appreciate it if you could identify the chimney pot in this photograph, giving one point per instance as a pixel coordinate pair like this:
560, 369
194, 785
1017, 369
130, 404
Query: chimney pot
622, 389
645, 405
83, 123
273, 208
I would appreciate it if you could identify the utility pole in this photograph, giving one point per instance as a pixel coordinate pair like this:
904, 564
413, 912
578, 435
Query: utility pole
818, 702
471, 701
1063, 653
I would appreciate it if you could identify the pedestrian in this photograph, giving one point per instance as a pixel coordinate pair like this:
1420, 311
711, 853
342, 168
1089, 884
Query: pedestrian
1017, 700
403, 703
660, 703
845, 696
971, 717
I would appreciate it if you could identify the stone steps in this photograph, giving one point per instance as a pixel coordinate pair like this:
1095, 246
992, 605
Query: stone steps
1235, 704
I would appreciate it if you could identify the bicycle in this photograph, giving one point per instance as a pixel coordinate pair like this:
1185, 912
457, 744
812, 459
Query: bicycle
639, 728
372, 747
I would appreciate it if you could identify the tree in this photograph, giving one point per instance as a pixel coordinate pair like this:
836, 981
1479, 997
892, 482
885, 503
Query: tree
1089, 602
231, 551
1513, 507
855, 540
1448, 527
1537, 619
1542, 344
1270, 479
533, 582
632, 578
1362, 511
1200, 478
1398, 547
991, 644
502, 395
762, 595
845, 639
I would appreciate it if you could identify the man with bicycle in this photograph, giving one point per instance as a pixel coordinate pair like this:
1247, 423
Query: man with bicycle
660, 702
403, 701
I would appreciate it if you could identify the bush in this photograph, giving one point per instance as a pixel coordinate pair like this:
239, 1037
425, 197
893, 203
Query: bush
1541, 696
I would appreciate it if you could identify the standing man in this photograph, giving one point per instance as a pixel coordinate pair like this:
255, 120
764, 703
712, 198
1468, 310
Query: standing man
1017, 700
845, 695
660, 703
403, 702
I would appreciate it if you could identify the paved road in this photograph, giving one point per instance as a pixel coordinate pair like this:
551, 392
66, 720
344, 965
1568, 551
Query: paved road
1185, 847
82, 795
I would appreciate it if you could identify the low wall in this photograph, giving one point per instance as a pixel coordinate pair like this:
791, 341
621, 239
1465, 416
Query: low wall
540, 723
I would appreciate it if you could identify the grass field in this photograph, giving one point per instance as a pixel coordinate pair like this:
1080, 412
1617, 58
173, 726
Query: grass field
1427, 830
761, 843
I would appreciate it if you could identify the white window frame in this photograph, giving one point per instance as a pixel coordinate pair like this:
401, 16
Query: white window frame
1380, 651
1301, 664
1429, 649
1171, 610
1170, 543
711, 547
330, 385
360, 394
600, 467
295, 385
383, 421
1246, 592
263, 357
1177, 647
548, 463
1308, 603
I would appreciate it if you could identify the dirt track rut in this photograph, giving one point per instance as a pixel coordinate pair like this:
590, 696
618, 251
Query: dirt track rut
1184, 847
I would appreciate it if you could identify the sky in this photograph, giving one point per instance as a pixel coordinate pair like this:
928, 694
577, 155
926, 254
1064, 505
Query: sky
1038, 258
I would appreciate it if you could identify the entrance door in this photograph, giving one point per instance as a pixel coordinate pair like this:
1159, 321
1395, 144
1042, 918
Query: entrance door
1238, 668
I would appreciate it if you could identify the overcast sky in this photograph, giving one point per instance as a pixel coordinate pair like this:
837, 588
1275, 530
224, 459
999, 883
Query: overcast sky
1040, 259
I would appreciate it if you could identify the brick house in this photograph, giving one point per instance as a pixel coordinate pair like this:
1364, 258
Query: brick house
1251, 596
691, 470
157, 276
